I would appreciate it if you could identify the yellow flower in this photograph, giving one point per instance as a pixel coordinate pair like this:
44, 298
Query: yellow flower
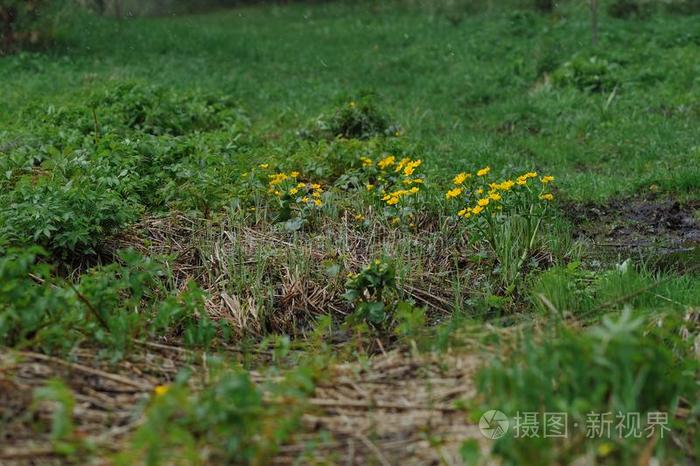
546, 179
318, 202
480, 191
605, 448
484, 171
386, 162
547, 197
277, 178
453, 193
393, 200
316, 194
477, 210
301, 185
293, 191
462, 212
483, 202
395, 220
494, 196
315, 186
366, 162
402, 163
411, 166
530, 175
264, 166
359, 217
369, 187
522, 180
415, 189
461, 178
161, 390
294, 174
304, 199
506, 185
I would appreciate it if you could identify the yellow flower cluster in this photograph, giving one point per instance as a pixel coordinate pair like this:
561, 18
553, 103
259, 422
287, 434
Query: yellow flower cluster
495, 190
405, 165
307, 193
394, 197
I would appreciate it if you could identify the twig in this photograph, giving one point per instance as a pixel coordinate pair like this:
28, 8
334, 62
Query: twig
364, 405
372, 447
97, 126
90, 307
26, 453
88, 370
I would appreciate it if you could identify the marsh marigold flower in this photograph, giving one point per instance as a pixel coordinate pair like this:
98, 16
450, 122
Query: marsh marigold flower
460, 178
547, 179
386, 162
453, 193
547, 197
483, 202
484, 171
161, 390
411, 166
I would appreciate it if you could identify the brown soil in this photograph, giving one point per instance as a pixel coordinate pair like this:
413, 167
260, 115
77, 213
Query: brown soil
639, 225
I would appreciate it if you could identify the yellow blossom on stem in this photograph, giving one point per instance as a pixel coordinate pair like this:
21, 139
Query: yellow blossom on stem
161, 390
483, 202
547, 197
411, 166
494, 196
461, 178
386, 162
477, 210
277, 178
264, 166
484, 171
402, 163
453, 193
547, 179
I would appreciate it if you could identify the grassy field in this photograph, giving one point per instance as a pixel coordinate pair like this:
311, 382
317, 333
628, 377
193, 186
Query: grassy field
339, 234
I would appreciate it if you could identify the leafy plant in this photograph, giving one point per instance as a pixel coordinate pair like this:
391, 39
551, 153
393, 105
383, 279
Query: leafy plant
373, 293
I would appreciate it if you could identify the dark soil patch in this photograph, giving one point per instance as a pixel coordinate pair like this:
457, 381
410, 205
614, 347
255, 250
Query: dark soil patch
666, 231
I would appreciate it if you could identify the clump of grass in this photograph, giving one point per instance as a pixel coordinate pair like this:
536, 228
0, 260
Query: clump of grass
623, 365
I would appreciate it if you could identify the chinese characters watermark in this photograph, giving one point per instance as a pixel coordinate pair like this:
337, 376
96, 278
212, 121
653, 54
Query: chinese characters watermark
495, 424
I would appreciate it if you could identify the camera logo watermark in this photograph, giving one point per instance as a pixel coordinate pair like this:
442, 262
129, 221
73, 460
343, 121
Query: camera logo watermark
494, 424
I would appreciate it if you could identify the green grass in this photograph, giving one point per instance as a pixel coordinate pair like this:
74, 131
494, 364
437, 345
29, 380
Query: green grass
139, 204
464, 102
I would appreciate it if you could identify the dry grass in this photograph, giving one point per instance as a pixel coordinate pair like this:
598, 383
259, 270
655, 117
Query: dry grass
260, 278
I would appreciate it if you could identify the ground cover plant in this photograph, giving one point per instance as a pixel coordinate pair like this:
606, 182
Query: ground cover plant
349, 233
